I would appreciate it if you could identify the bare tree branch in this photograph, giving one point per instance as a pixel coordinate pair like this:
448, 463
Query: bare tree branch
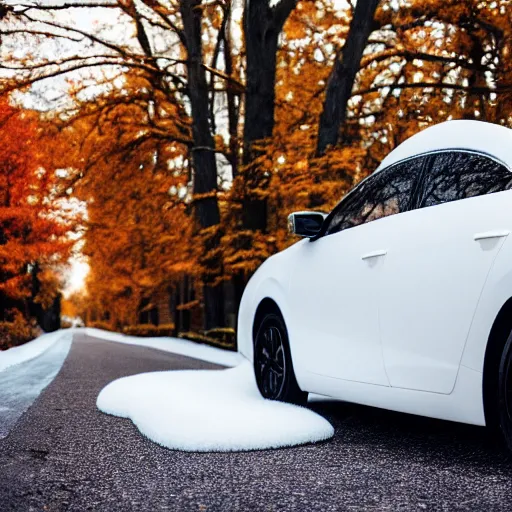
436, 85
87, 35
411, 55
64, 6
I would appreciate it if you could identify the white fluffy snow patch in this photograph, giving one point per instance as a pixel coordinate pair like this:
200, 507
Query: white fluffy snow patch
210, 410
30, 350
174, 345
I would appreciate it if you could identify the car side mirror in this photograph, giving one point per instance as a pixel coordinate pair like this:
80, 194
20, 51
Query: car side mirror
306, 224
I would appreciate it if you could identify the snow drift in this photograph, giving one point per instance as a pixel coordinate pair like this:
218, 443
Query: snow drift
175, 345
31, 350
25, 371
210, 410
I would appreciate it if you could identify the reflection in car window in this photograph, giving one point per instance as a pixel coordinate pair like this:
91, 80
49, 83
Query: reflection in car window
458, 175
385, 193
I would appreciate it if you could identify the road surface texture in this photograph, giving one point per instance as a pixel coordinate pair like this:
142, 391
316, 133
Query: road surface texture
63, 454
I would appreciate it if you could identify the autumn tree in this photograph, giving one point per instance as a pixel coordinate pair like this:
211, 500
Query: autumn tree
263, 23
279, 177
427, 64
164, 44
135, 184
193, 131
418, 67
341, 79
32, 238
423, 63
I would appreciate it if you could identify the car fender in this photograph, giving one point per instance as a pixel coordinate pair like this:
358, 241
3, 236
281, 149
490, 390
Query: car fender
271, 281
496, 292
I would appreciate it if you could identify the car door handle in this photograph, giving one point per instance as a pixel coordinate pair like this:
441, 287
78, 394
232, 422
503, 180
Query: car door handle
491, 234
374, 254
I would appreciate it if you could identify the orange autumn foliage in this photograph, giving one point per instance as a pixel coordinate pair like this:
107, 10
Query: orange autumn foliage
131, 150
138, 230
426, 62
30, 235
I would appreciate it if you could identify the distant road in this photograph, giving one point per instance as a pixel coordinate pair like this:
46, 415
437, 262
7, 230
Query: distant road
63, 454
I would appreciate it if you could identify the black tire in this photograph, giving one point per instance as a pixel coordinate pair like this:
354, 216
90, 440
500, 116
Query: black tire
505, 393
273, 366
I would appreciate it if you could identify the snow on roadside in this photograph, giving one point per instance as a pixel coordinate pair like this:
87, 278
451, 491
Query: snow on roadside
210, 410
174, 345
21, 384
30, 350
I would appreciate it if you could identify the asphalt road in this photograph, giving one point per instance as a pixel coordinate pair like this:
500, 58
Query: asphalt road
63, 454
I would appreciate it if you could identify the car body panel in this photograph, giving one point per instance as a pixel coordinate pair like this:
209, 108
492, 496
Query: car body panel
270, 281
496, 293
432, 257
464, 404
345, 336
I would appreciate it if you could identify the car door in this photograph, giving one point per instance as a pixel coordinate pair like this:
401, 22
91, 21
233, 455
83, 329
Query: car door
333, 291
439, 256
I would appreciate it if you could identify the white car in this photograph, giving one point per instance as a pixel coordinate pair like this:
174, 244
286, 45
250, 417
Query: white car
401, 297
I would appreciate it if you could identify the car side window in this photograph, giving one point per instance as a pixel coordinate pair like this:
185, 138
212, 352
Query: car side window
455, 175
385, 193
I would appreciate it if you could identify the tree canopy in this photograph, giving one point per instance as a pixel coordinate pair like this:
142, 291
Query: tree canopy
191, 129
32, 232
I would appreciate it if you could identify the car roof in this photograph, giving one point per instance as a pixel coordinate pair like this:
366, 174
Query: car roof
492, 139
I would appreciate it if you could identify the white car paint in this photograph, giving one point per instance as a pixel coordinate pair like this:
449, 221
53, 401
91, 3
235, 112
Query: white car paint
433, 275
354, 352
476, 136
407, 306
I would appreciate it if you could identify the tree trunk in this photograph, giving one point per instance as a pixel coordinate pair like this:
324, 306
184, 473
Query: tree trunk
262, 26
49, 319
343, 74
261, 46
475, 101
233, 107
203, 153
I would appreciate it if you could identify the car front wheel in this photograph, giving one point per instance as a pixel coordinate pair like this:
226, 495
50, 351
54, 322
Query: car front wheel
273, 367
